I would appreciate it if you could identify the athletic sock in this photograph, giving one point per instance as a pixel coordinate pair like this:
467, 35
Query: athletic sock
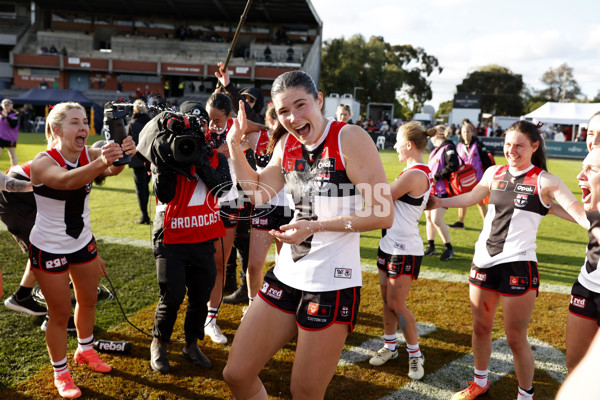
390, 342
86, 344
525, 394
59, 367
448, 245
481, 377
430, 243
211, 317
413, 350
23, 292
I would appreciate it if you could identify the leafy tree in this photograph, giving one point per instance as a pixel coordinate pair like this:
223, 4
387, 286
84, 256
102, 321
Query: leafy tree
378, 67
597, 98
499, 88
445, 108
561, 86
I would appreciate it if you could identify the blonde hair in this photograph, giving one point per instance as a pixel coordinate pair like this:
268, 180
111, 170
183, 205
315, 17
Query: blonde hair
139, 106
56, 117
415, 132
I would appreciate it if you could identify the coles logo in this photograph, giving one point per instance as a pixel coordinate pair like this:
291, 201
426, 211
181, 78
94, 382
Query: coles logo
272, 291
318, 310
499, 185
578, 302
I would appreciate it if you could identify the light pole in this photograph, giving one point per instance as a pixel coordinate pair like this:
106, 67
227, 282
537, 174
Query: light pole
357, 88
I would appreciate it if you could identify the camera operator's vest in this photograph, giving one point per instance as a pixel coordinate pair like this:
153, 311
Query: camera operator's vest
193, 214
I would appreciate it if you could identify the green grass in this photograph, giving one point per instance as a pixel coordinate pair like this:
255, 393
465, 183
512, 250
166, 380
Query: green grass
561, 249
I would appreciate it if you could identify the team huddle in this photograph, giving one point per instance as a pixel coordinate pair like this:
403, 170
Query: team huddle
321, 183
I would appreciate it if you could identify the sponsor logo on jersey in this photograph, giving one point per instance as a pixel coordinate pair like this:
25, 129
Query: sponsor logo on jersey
391, 267
478, 276
380, 260
300, 165
272, 291
499, 185
318, 310
524, 189
345, 273
326, 163
345, 312
521, 200
578, 302
400, 246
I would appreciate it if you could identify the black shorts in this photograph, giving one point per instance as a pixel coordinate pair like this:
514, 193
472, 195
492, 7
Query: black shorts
6, 143
229, 215
585, 303
396, 265
267, 218
314, 310
510, 279
57, 263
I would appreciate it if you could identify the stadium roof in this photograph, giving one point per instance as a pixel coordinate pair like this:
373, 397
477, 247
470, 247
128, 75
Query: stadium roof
262, 11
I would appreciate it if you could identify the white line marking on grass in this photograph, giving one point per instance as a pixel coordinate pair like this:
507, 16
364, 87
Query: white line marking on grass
441, 384
368, 349
125, 241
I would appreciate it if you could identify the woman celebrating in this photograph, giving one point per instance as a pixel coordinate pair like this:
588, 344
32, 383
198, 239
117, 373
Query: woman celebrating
471, 151
505, 263
401, 249
337, 187
62, 244
442, 162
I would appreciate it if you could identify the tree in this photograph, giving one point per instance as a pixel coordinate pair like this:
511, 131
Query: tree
561, 86
378, 67
445, 108
499, 88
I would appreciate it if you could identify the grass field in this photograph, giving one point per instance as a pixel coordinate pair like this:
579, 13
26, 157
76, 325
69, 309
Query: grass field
440, 305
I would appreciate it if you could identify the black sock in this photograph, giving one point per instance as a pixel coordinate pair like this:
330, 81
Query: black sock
23, 292
448, 245
430, 243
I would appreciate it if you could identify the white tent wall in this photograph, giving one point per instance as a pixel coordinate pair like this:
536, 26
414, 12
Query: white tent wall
564, 113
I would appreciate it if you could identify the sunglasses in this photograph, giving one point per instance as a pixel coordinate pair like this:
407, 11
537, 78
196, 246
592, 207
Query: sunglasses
7, 102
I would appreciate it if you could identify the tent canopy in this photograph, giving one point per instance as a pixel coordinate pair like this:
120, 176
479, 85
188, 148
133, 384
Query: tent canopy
564, 113
44, 97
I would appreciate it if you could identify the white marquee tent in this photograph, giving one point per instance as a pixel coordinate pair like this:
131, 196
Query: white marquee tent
564, 113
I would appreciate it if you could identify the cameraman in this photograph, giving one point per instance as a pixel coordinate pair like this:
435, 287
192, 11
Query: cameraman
186, 224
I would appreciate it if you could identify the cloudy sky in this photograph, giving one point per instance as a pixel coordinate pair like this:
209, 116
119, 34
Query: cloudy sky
527, 36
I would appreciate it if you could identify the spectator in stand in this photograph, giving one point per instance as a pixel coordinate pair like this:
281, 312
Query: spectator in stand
343, 113
53, 50
560, 137
267, 54
290, 54
9, 130
43, 49
55, 85
43, 84
63, 51
568, 132
141, 171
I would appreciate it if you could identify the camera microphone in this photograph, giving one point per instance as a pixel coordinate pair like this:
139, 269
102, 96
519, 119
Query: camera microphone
112, 346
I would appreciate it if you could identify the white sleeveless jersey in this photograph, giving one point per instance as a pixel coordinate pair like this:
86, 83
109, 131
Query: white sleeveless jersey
62, 223
318, 188
589, 277
404, 237
514, 215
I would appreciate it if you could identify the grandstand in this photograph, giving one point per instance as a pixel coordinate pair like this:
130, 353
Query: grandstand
91, 46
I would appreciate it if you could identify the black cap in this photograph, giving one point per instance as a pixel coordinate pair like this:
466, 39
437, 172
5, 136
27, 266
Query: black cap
193, 108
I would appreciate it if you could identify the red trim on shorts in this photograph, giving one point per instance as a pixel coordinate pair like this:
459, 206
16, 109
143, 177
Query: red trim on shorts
273, 305
583, 316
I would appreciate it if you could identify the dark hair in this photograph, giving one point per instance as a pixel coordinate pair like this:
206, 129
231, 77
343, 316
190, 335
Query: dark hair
538, 158
285, 81
220, 101
292, 79
271, 113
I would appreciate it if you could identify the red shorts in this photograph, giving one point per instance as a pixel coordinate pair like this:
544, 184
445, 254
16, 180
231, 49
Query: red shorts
57, 263
314, 310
